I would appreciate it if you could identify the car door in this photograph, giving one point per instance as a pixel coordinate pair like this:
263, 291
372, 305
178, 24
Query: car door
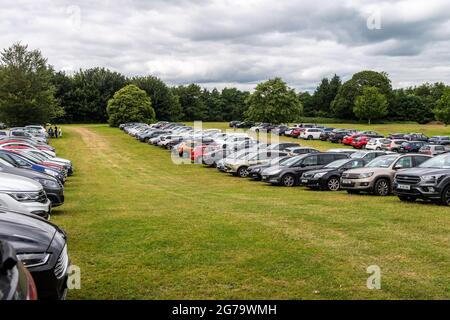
307, 163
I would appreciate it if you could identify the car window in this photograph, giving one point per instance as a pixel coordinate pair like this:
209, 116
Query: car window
370, 156
405, 162
420, 159
310, 161
439, 148
326, 158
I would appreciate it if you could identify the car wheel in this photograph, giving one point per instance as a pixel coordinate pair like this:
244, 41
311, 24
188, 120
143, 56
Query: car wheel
445, 197
310, 137
333, 184
378, 148
382, 187
407, 198
243, 172
288, 180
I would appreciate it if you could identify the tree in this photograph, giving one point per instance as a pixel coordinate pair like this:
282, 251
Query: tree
164, 101
192, 103
324, 95
308, 104
442, 109
371, 104
130, 104
214, 104
342, 105
90, 91
26, 91
273, 101
233, 101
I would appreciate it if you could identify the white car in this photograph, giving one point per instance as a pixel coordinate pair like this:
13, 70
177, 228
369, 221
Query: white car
23, 195
311, 134
378, 144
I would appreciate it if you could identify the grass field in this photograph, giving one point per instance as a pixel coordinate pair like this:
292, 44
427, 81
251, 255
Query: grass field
141, 227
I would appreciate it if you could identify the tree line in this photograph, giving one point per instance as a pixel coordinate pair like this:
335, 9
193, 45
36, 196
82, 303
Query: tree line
32, 91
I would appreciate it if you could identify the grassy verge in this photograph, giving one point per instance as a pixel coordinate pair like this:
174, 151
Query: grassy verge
141, 227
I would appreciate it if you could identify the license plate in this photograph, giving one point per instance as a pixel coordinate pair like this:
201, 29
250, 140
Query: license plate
304, 181
403, 187
346, 181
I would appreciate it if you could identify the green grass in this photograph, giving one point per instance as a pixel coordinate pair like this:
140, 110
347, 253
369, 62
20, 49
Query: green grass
141, 227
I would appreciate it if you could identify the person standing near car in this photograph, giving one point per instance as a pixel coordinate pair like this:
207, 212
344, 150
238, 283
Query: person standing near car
56, 132
60, 132
50, 132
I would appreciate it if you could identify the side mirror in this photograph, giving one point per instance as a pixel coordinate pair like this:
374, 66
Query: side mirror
302, 165
398, 166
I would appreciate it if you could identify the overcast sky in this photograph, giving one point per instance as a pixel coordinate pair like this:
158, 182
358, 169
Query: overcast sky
238, 43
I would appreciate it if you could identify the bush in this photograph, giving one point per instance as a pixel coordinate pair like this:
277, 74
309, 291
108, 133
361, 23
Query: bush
130, 104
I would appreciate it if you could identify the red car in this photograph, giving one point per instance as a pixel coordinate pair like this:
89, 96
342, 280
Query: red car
360, 142
295, 133
199, 151
347, 140
22, 145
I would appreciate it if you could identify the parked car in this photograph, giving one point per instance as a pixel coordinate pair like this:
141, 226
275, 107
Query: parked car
411, 146
416, 137
395, 145
52, 187
300, 150
429, 181
396, 136
432, 149
367, 155
239, 167
328, 178
348, 139
42, 247
16, 282
360, 142
280, 130
283, 146
343, 150
378, 144
326, 134
255, 171
441, 140
23, 195
245, 124
289, 172
311, 134
378, 175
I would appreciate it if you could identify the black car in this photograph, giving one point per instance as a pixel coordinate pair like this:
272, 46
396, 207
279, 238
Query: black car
232, 124
42, 248
415, 137
328, 178
428, 181
255, 171
326, 134
52, 186
283, 146
289, 172
411, 146
338, 136
295, 151
280, 130
16, 282
396, 136
244, 124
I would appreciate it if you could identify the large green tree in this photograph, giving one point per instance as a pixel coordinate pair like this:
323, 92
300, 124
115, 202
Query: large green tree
233, 103
371, 104
273, 101
442, 109
164, 101
342, 105
130, 104
324, 95
192, 102
26, 90
89, 93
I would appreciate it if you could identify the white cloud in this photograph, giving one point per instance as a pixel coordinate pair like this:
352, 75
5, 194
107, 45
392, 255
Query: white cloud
237, 43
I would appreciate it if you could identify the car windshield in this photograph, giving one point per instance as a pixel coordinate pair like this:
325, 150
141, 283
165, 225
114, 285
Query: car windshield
358, 155
382, 162
438, 162
39, 156
291, 161
336, 164
278, 160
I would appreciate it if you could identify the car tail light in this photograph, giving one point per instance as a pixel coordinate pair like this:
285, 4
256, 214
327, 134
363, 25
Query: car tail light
31, 286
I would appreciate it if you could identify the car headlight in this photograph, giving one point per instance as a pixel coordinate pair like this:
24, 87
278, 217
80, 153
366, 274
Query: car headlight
51, 172
33, 259
365, 175
25, 196
431, 178
319, 175
47, 183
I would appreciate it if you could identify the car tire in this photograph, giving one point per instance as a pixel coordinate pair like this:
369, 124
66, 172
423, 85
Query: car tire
242, 172
310, 137
378, 148
407, 198
333, 184
288, 180
382, 187
445, 196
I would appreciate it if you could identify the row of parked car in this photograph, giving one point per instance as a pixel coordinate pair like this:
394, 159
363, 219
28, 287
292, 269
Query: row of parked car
371, 140
410, 176
34, 259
